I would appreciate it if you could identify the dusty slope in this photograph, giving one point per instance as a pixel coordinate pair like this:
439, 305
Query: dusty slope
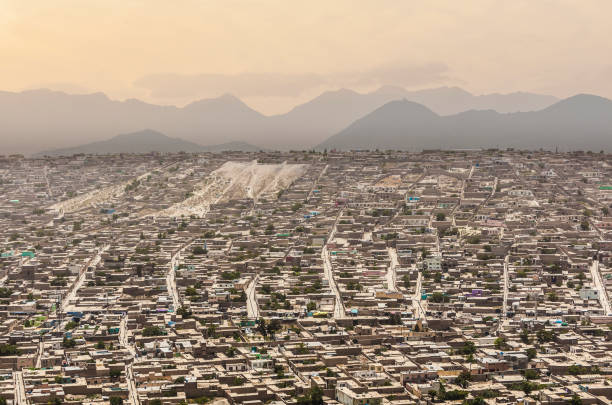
237, 180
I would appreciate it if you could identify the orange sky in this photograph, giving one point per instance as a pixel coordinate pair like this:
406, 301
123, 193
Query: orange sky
276, 53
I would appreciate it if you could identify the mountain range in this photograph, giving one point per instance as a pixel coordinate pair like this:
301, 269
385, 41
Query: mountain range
39, 120
146, 141
581, 122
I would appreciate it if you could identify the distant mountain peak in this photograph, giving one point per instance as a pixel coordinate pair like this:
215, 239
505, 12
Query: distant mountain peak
405, 106
584, 98
579, 122
453, 89
225, 101
390, 90
582, 103
342, 92
144, 141
144, 134
229, 97
46, 119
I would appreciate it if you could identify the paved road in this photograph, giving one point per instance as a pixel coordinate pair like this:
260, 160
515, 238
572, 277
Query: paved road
123, 337
46, 175
316, 182
171, 277
594, 227
129, 374
391, 270
81, 278
252, 307
505, 282
503, 322
465, 181
416, 299
20, 394
603, 295
171, 284
41, 350
486, 200
339, 311
131, 383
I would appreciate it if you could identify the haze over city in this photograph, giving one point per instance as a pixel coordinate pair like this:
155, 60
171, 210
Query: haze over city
277, 54
289, 75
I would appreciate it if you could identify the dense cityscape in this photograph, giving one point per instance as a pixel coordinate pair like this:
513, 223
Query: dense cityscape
306, 278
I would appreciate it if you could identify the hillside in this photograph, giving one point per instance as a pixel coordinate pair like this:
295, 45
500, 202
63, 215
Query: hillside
146, 141
36, 120
579, 122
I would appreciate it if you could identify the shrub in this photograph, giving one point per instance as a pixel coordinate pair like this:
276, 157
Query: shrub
153, 331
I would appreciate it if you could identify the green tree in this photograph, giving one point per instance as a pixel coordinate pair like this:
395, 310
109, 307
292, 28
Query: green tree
576, 400
116, 401
313, 397
68, 343
153, 331
439, 297
468, 348
463, 379
406, 281
545, 336
199, 250
500, 343
394, 319
184, 312
273, 326
261, 327
525, 336
532, 353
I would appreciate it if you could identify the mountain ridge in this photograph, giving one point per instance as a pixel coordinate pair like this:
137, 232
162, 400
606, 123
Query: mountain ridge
145, 141
579, 122
51, 119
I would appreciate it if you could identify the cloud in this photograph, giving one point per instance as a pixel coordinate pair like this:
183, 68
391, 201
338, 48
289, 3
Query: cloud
400, 75
66, 87
585, 80
172, 85
180, 86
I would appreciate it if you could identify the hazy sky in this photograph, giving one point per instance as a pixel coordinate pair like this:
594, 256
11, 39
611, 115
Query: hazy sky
276, 53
